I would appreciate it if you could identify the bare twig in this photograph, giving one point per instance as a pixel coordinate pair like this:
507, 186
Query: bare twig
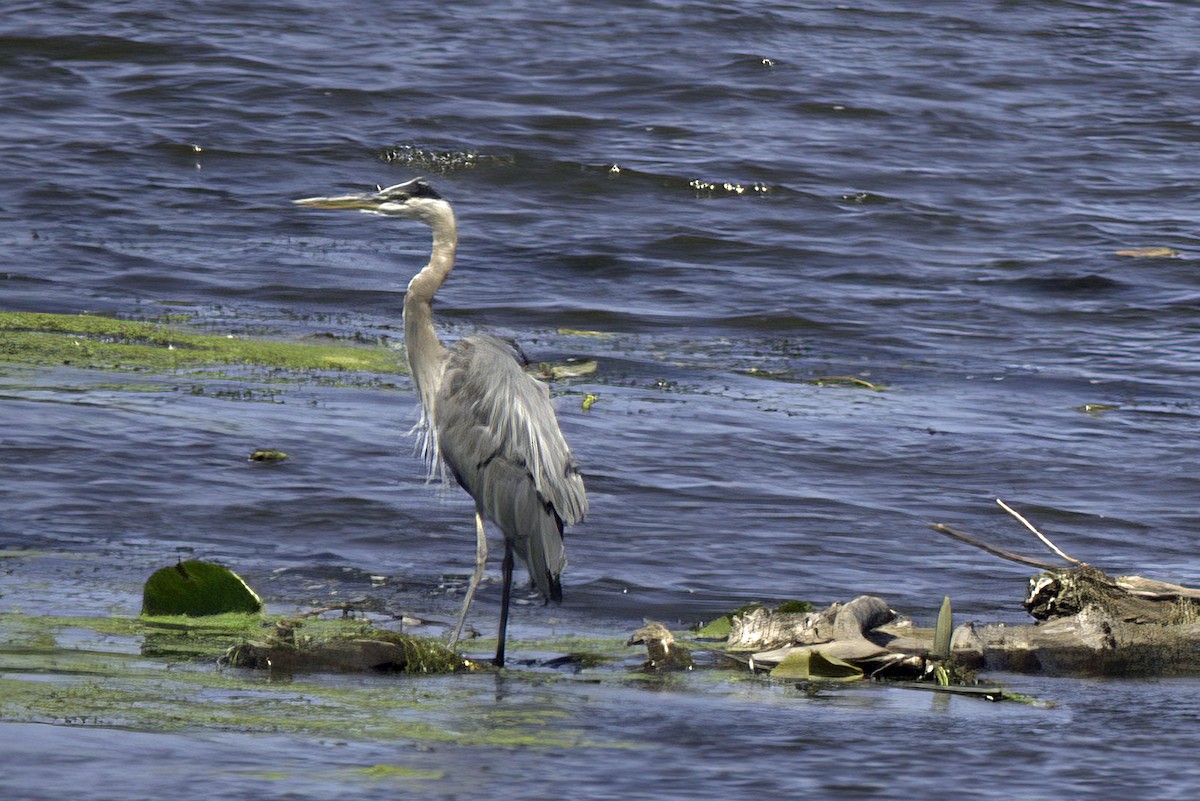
1003, 554
1040, 535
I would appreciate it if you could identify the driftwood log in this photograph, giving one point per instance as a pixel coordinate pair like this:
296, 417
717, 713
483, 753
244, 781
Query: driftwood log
1090, 623
855, 633
1086, 623
760, 629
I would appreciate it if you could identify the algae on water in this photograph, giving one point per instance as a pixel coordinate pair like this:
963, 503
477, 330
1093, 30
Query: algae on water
105, 343
357, 649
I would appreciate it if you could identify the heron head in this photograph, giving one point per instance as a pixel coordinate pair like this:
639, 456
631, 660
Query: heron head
413, 200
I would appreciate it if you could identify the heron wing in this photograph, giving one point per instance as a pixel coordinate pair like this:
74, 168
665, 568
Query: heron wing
489, 408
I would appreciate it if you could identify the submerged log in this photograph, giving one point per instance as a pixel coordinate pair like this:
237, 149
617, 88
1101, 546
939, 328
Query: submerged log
370, 650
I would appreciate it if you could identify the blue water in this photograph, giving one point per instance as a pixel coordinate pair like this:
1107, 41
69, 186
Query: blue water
743, 198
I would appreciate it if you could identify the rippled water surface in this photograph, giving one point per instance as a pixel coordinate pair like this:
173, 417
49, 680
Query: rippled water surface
741, 199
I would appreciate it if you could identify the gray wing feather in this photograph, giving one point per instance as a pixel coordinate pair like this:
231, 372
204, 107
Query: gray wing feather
497, 433
488, 407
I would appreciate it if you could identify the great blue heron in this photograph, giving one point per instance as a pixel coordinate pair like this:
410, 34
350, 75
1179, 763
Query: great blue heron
482, 416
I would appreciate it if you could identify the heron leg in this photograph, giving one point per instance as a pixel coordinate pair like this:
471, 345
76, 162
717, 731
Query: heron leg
506, 591
481, 555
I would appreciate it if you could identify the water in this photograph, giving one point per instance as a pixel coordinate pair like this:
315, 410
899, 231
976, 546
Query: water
932, 199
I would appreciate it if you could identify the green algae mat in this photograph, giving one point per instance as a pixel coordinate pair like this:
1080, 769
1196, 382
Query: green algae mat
163, 674
106, 343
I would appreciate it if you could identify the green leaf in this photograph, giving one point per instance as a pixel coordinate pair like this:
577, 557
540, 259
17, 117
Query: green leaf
942, 631
197, 589
716, 630
812, 664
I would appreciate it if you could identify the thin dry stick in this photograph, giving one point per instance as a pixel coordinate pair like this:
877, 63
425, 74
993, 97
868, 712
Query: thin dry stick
1039, 534
992, 549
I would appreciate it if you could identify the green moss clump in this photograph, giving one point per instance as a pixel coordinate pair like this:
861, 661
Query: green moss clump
718, 628
385, 772
342, 648
424, 655
795, 608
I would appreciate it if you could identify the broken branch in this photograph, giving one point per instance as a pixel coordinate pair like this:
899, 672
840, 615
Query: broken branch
1038, 534
992, 549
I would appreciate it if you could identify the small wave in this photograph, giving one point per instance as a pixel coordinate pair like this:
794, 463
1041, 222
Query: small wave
702, 187
866, 199
431, 160
442, 161
1055, 284
96, 48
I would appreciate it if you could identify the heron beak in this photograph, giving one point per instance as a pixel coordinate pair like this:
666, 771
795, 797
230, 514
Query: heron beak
388, 201
369, 201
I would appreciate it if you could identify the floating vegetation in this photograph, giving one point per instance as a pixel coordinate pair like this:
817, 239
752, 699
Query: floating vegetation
847, 381
106, 343
395, 772
268, 455
181, 637
588, 400
57, 676
1097, 408
441, 161
579, 332
763, 372
363, 648
571, 368
1151, 253
196, 589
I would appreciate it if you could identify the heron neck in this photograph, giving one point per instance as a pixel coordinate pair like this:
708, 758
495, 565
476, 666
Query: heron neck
424, 349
